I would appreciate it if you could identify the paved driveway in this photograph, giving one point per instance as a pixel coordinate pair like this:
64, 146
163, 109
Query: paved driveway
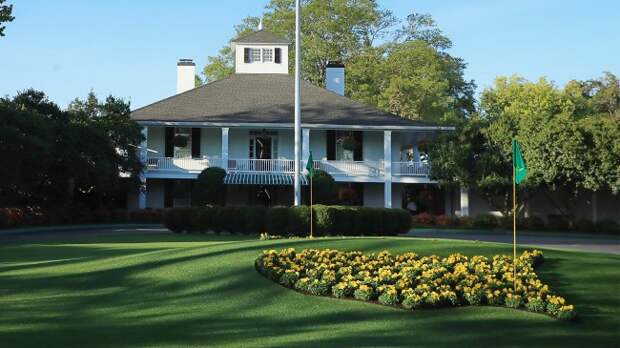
570, 241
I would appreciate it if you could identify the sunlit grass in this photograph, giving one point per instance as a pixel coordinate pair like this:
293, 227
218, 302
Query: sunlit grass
193, 290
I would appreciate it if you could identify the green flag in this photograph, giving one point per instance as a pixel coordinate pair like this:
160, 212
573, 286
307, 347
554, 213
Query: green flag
518, 162
310, 166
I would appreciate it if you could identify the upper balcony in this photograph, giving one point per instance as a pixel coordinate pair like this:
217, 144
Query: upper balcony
341, 170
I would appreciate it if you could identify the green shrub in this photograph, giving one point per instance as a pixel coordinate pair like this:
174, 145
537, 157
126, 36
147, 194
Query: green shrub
395, 222
536, 304
255, 219
204, 219
535, 223
325, 219
209, 187
276, 221
486, 221
607, 226
299, 221
180, 220
585, 225
345, 221
324, 188
557, 222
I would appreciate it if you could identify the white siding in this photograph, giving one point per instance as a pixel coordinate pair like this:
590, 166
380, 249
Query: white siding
260, 67
238, 143
373, 195
372, 146
155, 194
286, 144
318, 144
156, 142
211, 143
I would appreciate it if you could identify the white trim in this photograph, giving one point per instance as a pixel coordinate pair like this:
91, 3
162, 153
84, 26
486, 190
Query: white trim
290, 126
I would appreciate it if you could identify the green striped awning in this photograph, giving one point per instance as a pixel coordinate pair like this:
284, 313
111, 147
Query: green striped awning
262, 179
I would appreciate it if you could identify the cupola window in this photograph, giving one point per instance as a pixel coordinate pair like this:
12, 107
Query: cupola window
267, 55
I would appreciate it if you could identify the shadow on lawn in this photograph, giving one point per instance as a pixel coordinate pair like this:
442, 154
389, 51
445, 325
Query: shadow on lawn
211, 295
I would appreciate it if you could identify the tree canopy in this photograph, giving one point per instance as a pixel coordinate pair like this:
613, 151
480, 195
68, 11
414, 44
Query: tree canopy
400, 67
5, 15
62, 157
570, 138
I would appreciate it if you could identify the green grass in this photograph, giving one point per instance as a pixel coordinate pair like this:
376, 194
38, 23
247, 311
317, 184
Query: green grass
192, 290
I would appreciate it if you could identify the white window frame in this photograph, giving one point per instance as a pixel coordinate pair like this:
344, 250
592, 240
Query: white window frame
267, 54
255, 55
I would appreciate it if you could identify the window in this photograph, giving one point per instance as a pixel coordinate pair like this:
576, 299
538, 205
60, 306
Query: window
267, 55
345, 146
254, 55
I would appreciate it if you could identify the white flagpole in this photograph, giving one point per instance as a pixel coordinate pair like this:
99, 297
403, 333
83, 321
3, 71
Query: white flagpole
297, 102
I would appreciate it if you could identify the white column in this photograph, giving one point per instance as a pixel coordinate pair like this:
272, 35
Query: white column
305, 145
297, 123
224, 156
143, 159
387, 168
464, 201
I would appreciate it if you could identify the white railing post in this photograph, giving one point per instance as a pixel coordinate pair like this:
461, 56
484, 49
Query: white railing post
387, 168
224, 156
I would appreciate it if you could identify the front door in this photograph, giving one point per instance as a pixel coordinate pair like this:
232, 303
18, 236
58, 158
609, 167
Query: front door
263, 148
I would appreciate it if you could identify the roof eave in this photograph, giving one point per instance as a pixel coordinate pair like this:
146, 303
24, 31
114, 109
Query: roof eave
290, 125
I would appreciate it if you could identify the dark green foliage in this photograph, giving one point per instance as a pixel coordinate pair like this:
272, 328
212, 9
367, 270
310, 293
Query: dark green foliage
558, 222
485, 221
255, 219
607, 226
299, 221
204, 219
5, 16
585, 225
324, 217
534, 223
324, 188
209, 187
277, 221
294, 221
180, 220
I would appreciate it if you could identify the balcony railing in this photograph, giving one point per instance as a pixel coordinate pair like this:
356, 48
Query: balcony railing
410, 168
187, 164
261, 165
335, 168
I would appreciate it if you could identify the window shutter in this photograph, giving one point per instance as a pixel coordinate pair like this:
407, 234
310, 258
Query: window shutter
246, 55
169, 147
195, 142
358, 153
277, 55
330, 136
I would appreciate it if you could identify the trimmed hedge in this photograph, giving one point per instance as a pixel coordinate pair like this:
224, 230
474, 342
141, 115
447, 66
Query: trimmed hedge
290, 221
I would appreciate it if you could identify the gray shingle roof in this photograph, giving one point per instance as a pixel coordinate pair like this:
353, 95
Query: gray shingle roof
262, 37
266, 98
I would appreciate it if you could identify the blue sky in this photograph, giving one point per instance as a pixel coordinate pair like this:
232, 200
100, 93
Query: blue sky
130, 48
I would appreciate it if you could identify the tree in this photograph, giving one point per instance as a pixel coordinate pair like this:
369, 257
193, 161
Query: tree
324, 188
5, 15
402, 70
209, 187
60, 158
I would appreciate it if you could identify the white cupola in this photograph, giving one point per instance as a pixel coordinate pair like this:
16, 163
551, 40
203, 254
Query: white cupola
261, 52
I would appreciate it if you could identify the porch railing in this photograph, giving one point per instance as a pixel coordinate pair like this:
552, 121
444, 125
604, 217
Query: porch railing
336, 168
410, 168
179, 164
351, 168
261, 165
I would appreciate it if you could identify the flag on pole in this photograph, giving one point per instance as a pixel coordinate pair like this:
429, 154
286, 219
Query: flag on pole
518, 163
519, 172
310, 166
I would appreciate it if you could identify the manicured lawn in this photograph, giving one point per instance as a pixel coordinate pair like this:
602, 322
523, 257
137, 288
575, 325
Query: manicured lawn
192, 290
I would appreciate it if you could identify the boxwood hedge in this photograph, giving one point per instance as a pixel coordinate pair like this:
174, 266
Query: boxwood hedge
328, 220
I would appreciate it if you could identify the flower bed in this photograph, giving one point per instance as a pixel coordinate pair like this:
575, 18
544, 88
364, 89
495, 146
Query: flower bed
414, 281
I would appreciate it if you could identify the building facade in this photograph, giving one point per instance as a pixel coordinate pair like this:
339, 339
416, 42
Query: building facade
244, 124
